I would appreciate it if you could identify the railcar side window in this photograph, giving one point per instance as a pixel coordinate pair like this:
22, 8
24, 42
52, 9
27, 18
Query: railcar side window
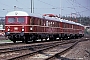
32, 21
57, 24
21, 20
52, 24
38, 21
42, 22
64, 25
46, 23
11, 20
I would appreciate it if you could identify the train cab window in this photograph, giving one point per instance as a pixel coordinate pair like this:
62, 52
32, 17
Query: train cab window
21, 20
11, 20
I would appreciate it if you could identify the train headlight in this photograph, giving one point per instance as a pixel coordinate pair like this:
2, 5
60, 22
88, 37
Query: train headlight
8, 29
22, 29
31, 28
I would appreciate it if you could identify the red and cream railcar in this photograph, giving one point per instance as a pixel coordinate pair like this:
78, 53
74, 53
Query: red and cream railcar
21, 26
71, 29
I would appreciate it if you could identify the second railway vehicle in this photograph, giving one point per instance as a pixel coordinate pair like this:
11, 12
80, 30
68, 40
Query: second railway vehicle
20, 26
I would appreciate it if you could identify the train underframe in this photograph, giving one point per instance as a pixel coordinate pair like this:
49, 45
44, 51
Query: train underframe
26, 37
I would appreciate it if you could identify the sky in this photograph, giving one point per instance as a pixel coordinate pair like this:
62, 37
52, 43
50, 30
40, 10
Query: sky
58, 7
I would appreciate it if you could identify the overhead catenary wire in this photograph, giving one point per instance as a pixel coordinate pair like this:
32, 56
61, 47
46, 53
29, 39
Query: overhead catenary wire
48, 4
80, 5
75, 7
18, 1
52, 6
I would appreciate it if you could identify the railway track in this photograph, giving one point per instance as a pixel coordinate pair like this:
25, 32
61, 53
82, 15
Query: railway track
32, 50
9, 45
12, 53
59, 54
48, 52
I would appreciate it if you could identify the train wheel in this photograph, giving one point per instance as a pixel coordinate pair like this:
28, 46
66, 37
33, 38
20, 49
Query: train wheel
60, 38
34, 40
14, 41
50, 39
46, 39
41, 39
26, 41
23, 41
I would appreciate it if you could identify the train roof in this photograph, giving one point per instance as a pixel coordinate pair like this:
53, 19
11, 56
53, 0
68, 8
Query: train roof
22, 13
17, 13
63, 20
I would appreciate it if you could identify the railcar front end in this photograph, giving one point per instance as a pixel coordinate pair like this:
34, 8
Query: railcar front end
15, 25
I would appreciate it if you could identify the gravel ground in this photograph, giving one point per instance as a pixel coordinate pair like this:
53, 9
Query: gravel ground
3, 38
80, 52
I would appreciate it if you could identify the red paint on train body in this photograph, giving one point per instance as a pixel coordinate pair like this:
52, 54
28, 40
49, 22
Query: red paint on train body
21, 26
